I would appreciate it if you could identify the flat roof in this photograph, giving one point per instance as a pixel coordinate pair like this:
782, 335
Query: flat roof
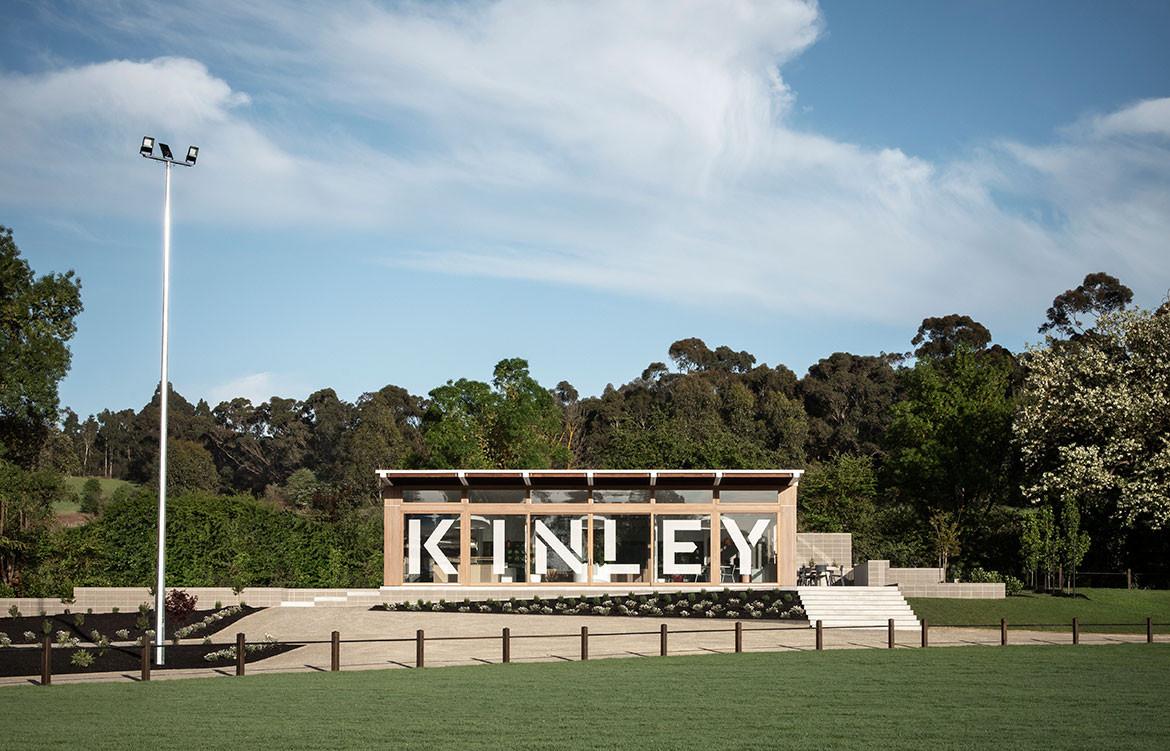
586, 478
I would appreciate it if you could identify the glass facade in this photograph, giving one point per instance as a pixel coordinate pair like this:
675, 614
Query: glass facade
683, 548
748, 551
557, 545
559, 496
431, 547
492, 495
621, 548
430, 496
684, 536
637, 495
498, 552
684, 495
747, 496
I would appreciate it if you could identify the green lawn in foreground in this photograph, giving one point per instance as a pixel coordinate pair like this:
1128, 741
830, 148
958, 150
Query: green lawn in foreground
1090, 605
952, 697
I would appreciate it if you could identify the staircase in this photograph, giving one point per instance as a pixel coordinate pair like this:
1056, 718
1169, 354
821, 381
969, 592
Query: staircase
857, 606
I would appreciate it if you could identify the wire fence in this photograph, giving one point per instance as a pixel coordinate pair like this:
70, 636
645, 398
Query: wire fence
243, 648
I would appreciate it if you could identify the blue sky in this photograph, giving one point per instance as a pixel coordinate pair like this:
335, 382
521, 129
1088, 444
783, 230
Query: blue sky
409, 192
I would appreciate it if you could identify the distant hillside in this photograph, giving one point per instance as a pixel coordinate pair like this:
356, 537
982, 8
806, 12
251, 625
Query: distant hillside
75, 484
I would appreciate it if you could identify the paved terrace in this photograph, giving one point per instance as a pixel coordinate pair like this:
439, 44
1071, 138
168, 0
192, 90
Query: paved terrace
715, 636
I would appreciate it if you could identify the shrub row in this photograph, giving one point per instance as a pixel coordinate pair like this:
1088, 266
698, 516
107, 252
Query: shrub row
212, 541
734, 604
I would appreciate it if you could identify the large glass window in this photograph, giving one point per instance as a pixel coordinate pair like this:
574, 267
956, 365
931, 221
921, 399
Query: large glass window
431, 547
684, 547
497, 549
621, 548
637, 495
748, 496
557, 545
747, 552
683, 495
495, 495
546, 495
414, 495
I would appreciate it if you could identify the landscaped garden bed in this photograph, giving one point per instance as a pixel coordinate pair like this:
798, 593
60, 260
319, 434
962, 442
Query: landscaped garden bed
100, 642
769, 604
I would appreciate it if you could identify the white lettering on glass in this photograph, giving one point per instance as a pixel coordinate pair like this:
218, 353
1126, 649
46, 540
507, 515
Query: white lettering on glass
742, 546
545, 539
672, 547
611, 567
497, 546
414, 562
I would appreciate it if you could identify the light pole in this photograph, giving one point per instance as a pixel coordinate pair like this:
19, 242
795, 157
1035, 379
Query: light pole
147, 150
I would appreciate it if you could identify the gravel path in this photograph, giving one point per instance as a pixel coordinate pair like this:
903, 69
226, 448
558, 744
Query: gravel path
561, 639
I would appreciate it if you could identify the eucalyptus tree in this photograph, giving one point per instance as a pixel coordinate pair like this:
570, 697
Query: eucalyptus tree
37, 320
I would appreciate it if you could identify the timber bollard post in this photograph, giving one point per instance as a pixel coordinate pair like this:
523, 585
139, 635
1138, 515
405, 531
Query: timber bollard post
241, 653
584, 642
145, 659
925, 634
820, 636
1129, 578
1149, 631
1003, 632
46, 661
738, 637
890, 632
1076, 631
335, 652
662, 640
506, 640
419, 640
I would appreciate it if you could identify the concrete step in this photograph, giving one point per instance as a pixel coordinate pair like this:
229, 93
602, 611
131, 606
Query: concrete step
870, 607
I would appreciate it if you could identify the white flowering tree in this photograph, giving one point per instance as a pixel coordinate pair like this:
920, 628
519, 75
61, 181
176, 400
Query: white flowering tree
1095, 423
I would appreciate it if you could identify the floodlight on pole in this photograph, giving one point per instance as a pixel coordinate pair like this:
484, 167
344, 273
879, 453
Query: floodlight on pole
147, 150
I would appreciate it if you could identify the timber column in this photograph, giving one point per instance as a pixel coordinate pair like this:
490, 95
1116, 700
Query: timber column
391, 535
786, 536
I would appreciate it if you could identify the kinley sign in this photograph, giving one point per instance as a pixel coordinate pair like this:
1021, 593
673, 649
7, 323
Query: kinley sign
572, 551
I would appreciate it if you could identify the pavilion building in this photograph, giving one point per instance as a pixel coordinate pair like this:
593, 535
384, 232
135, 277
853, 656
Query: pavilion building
589, 527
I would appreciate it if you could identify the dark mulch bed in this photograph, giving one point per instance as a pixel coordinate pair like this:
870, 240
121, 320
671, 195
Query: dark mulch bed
23, 661
16, 661
107, 624
761, 604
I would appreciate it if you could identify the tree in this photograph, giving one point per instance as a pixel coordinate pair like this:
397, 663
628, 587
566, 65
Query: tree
838, 495
1038, 545
26, 515
189, 468
382, 436
945, 536
949, 442
91, 496
1073, 541
848, 399
1094, 427
115, 443
36, 323
1097, 295
569, 405
940, 337
512, 424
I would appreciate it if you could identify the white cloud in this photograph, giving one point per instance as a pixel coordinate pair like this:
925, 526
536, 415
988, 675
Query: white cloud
1148, 117
256, 388
632, 146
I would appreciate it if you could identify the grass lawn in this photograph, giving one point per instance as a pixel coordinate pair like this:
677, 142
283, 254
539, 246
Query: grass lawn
954, 697
1090, 605
76, 483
